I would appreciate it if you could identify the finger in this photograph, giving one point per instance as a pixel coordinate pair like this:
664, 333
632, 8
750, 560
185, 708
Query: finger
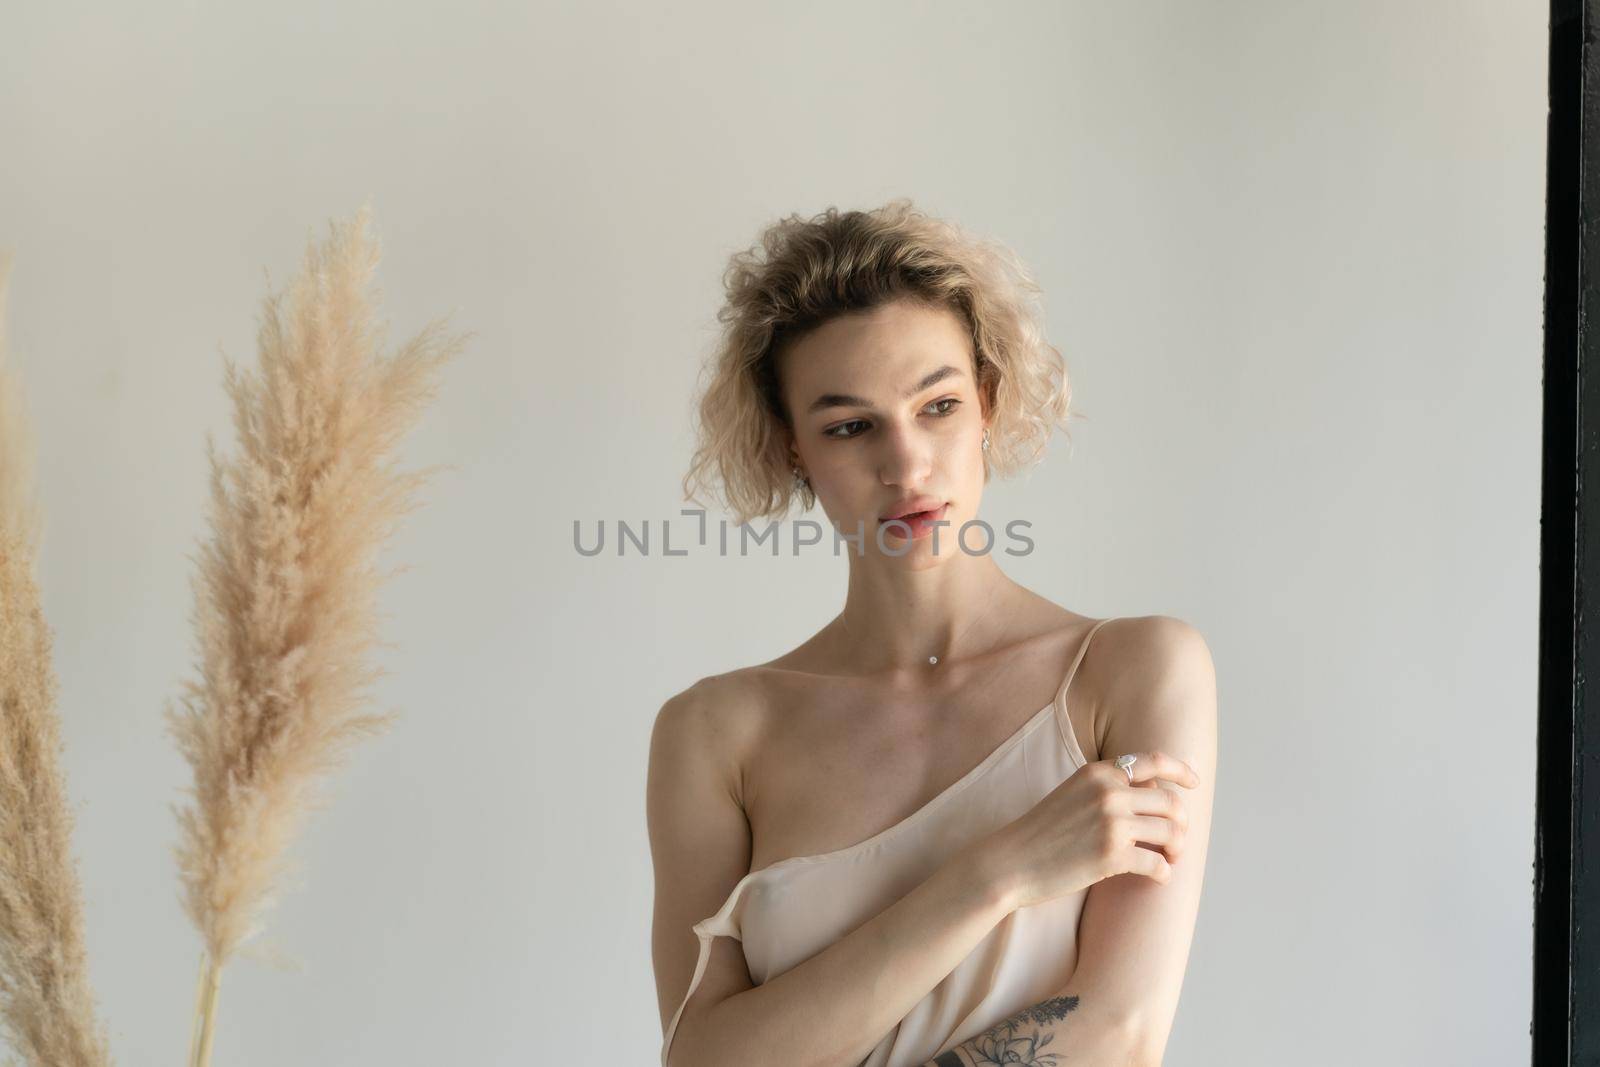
1148, 766
1151, 864
1153, 830
1172, 852
1158, 800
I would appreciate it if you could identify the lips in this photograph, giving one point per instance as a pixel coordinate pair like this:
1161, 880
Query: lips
917, 522
922, 506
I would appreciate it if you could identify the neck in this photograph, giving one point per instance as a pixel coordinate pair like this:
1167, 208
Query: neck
894, 620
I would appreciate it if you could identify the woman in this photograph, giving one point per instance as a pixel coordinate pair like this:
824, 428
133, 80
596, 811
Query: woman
867, 850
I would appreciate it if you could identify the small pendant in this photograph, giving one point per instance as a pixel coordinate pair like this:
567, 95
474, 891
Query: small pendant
933, 659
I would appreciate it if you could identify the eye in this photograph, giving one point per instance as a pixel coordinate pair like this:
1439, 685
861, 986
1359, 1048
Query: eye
944, 412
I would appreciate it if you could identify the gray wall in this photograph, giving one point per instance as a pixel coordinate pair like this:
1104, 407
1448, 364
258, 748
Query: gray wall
1292, 253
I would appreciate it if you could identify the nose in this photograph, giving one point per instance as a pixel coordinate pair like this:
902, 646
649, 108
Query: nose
907, 458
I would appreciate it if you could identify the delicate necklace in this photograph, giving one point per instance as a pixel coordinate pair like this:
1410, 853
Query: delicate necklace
934, 660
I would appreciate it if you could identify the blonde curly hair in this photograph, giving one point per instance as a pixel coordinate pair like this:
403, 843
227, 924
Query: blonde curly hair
803, 272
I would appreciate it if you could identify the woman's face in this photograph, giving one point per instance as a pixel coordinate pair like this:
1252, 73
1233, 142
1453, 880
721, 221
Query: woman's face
886, 411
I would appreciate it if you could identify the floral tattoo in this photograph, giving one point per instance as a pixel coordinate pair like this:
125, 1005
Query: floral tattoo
1006, 1042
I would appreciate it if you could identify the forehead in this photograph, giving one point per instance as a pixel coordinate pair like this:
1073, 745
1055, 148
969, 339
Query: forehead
883, 349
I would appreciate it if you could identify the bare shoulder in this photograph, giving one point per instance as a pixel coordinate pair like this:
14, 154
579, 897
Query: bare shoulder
712, 724
1143, 646
1146, 671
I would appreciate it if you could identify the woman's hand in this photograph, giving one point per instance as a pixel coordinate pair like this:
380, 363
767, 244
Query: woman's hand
1090, 827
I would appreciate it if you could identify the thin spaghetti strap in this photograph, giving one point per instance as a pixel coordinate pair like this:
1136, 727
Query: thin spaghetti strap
1073, 670
1068, 738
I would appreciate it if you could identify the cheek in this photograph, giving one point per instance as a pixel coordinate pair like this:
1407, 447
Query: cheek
853, 487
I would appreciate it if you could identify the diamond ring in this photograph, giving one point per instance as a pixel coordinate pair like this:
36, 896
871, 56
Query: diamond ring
1126, 763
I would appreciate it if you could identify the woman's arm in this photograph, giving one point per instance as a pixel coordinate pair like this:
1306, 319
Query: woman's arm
1134, 934
831, 1009
828, 1011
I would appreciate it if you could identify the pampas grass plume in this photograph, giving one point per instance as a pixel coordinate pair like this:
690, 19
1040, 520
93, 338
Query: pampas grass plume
46, 1004
284, 596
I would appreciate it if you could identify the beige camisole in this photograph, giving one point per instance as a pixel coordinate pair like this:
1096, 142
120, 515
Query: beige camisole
787, 912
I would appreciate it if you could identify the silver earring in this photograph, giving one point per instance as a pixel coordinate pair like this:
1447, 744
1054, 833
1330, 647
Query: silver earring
800, 483
986, 438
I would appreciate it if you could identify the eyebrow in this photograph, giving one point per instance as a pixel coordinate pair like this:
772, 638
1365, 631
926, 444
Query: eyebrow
846, 400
